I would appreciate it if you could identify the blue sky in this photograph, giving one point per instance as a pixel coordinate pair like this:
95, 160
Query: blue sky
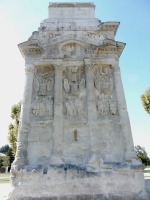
19, 19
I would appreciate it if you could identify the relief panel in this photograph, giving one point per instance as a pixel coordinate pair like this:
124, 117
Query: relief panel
43, 93
74, 91
105, 92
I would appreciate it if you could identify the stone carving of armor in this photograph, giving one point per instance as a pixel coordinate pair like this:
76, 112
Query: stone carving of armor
66, 85
79, 104
50, 84
111, 84
103, 80
42, 107
36, 106
74, 80
74, 89
112, 106
35, 84
102, 106
70, 107
49, 106
43, 86
82, 85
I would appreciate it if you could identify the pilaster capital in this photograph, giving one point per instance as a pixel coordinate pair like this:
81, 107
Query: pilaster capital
88, 67
116, 68
58, 68
29, 68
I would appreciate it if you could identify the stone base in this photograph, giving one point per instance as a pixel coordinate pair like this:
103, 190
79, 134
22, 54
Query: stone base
114, 182
89, 197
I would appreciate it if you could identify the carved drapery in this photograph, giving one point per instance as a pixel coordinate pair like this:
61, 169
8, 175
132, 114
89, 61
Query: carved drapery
124, 118
21, 154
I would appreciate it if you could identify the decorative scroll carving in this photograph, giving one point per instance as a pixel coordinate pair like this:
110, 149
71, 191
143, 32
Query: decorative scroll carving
74, 81
94, 36
42, 107
104, 80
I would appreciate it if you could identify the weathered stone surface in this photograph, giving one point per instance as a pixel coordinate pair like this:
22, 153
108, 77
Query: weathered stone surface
74, 140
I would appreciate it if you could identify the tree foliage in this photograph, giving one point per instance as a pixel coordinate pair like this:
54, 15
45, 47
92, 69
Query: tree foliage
142, 154
145, 98
5, 161
13, 128
4, 149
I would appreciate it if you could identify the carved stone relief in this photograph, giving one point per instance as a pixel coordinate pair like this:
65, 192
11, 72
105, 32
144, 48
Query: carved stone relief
72, 50
43, 86
94, 36
74, 90
42, 107
74, 106
104, 83
74, 80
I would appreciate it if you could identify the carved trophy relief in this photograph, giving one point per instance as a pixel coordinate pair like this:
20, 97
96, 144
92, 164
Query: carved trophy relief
43, 85
42, 107
103, 80
74, 81
102, 105
74, 106
43, 81
112, 106
106, 105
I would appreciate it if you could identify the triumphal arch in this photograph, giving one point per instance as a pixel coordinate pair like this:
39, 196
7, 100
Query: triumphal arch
74, 139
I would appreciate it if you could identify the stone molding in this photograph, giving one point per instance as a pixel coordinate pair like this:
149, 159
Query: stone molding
73, 5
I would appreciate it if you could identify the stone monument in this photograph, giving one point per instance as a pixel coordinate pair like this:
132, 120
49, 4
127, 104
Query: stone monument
74, 139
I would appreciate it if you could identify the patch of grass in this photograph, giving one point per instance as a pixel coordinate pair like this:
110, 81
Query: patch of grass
4, 175
4, 181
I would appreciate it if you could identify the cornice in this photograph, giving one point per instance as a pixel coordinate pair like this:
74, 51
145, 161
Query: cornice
110, 26
109, 46
72, 5
30, 47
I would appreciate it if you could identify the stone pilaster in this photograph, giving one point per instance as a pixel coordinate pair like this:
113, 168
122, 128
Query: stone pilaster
21, 154
93, 165
124, 118
58, 117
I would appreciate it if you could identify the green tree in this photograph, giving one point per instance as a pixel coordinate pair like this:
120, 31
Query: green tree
145, 98
10, 155
4, 149
13, 128
5, 161
142, 154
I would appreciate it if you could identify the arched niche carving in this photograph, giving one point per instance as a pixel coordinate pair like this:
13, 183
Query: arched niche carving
72, 49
